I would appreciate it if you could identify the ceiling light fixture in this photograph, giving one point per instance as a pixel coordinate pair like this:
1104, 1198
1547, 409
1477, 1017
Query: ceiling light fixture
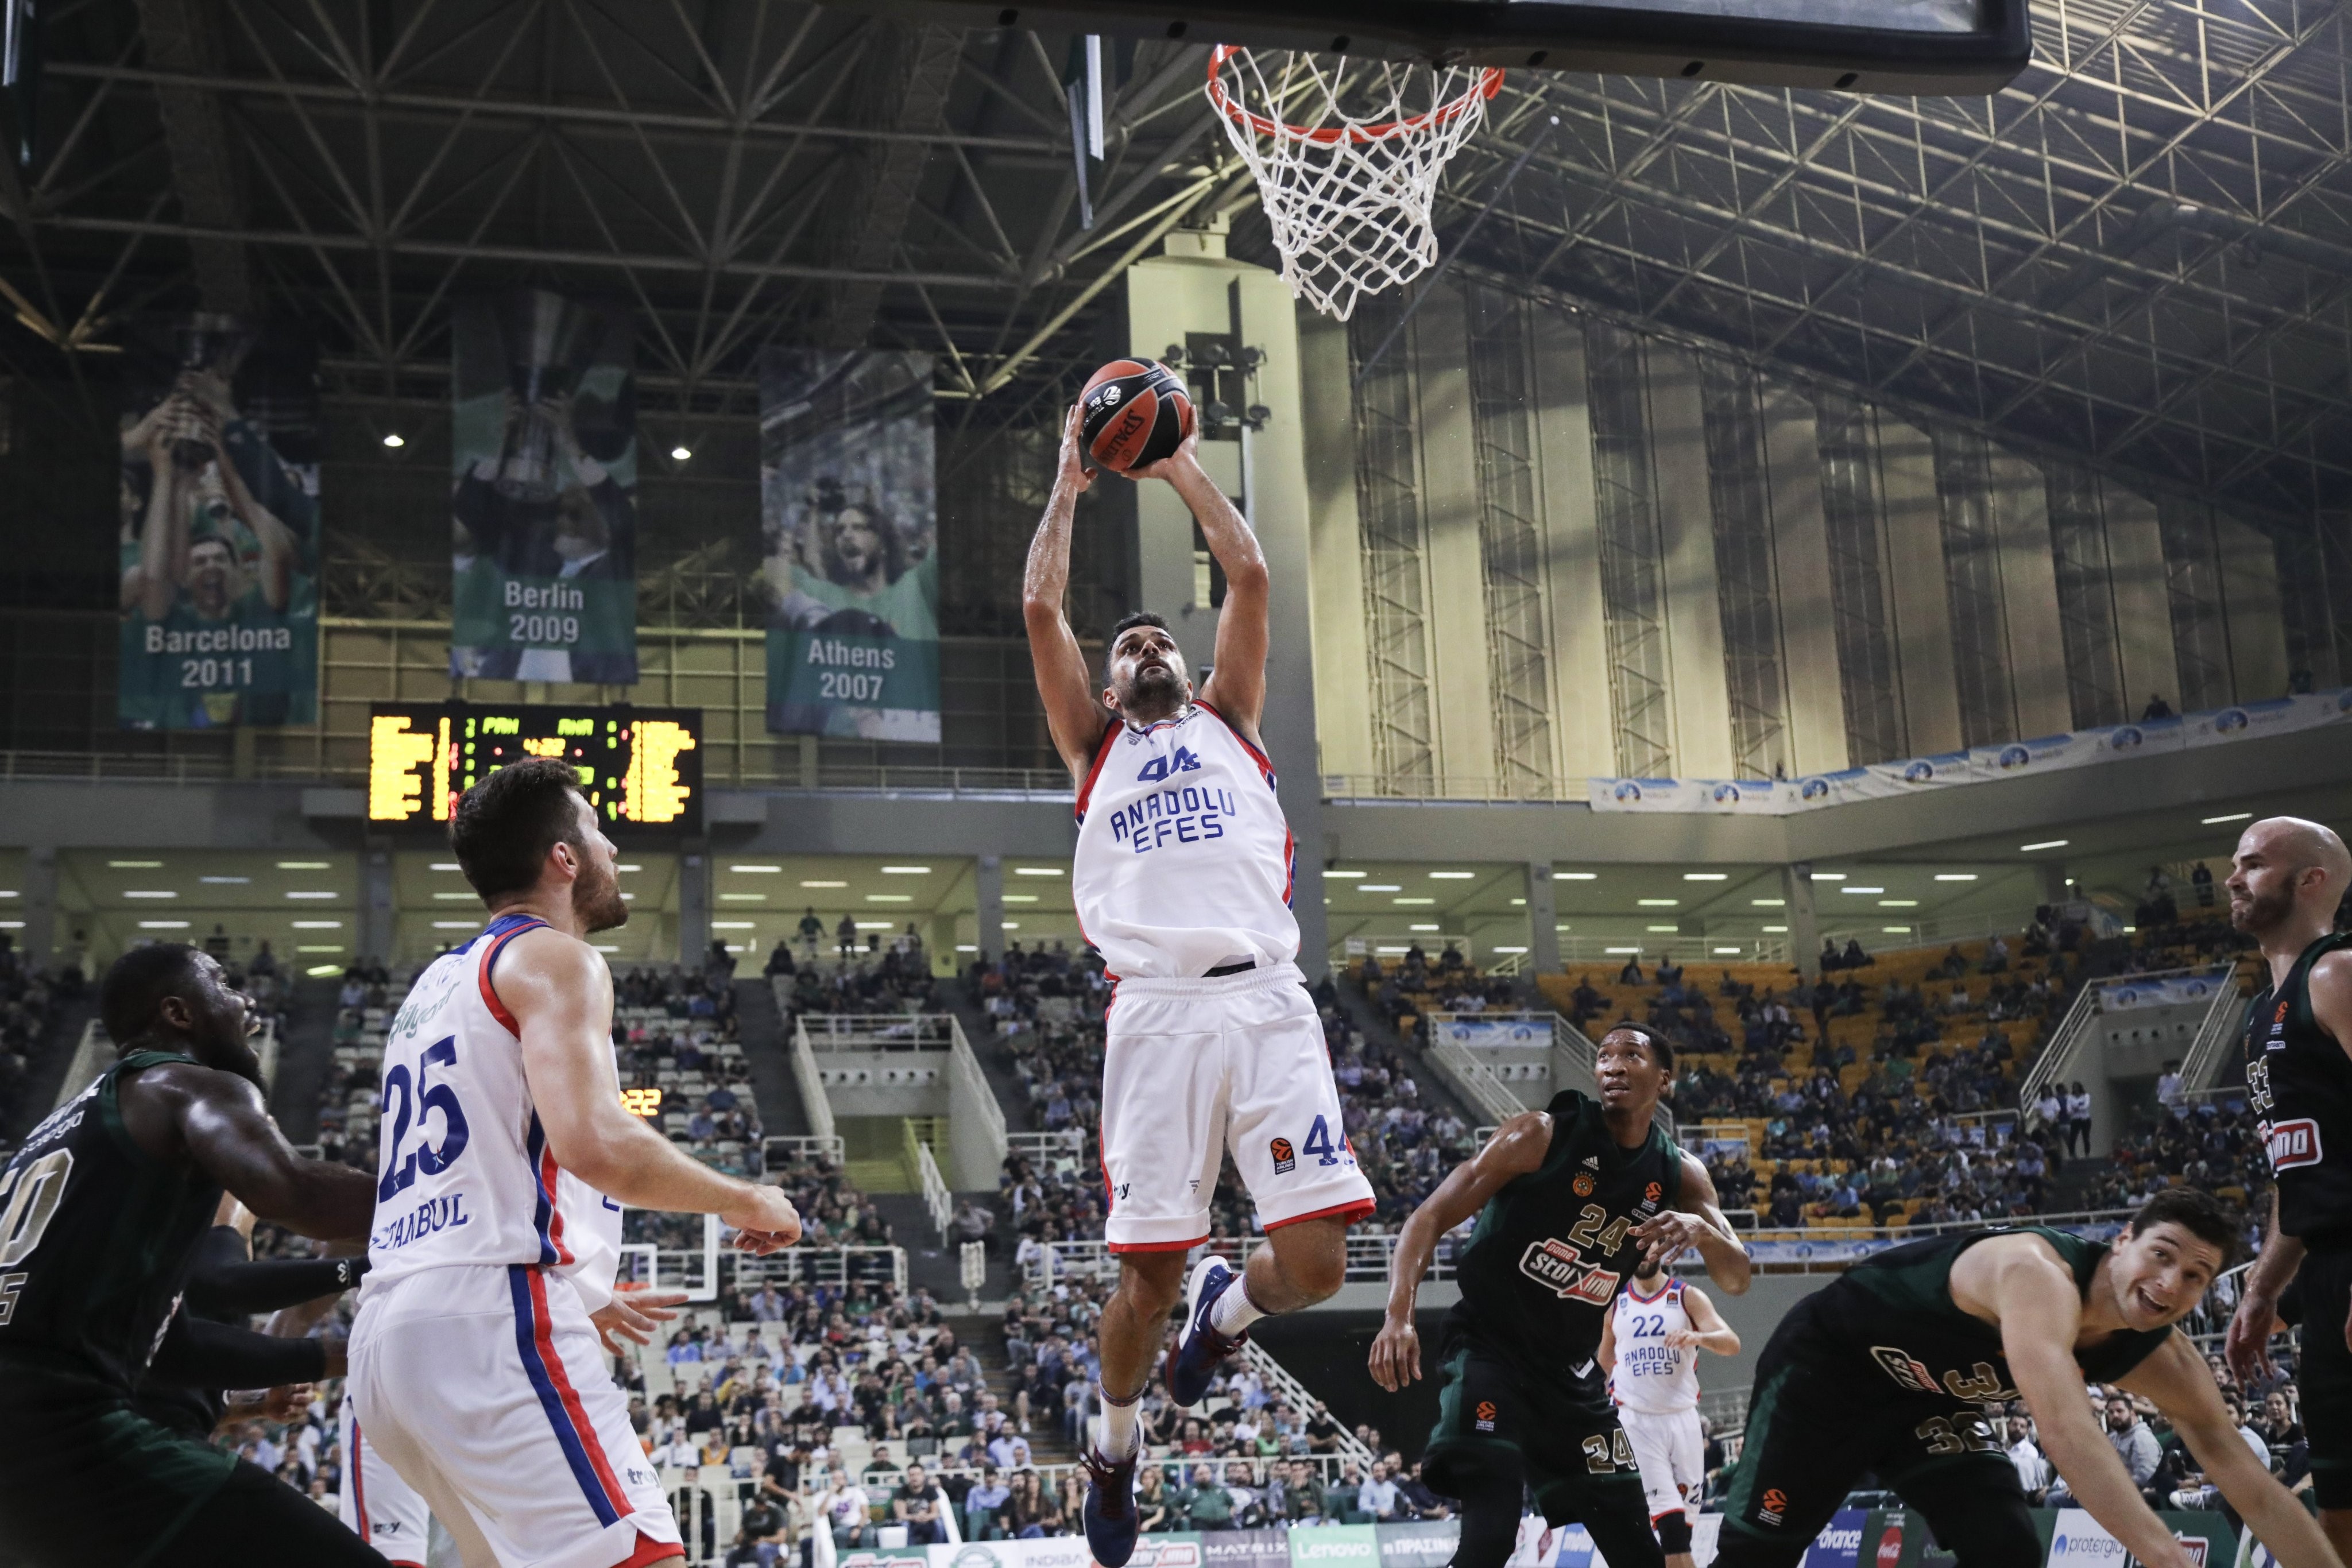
807, 884
150, 892
906, 871
2044, 845
1769, 903
1707, 876
1858, 888
318, 925
135, 865
1658, 903
1345, 876
2232, 816
681, 452
1955, 876
224, 881
1574, 875
1043, 870
1829, 876
304, 865
395, 440
758, 870
1451, 875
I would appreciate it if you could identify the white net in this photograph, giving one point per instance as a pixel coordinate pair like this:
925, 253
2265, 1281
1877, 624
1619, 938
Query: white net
1347, 159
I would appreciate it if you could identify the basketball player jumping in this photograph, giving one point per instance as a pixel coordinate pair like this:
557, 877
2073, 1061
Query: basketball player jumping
1182, 881
475, 1369
1649, 1347
1569, 1201
2286, 883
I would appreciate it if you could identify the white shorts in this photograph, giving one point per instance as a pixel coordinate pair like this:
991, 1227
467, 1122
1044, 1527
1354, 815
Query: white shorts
378, 1506
1672, 1452
487, 1390
1193, 1068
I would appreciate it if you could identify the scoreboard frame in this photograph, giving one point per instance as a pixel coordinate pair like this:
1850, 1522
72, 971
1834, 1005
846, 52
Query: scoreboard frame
422, 756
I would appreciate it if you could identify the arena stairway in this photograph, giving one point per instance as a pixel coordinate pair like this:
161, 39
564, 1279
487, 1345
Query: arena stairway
767, 1051
1365, 1019
47, 1062
306, 1055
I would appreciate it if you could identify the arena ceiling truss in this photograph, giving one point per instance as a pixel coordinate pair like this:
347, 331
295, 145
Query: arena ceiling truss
2138, 255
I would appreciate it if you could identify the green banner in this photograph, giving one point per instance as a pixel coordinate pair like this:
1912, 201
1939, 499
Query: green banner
847, 497
543, 512
219, 536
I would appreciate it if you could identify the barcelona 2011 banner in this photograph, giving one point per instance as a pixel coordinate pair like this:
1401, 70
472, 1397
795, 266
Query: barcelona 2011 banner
848, 501
221, 436
544, 513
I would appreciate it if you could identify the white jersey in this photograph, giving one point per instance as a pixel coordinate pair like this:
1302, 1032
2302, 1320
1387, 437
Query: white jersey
1185, 860
1650, 1376
463, 1171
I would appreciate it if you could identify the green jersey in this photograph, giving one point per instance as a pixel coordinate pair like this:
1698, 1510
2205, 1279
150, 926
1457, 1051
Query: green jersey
1550, 1249
1898, 1309
96, 1238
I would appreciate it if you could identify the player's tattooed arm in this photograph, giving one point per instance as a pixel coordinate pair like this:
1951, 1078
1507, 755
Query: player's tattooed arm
2020, 1283
1696, 1222
1073, 713
181, 1111
1517, 1148
1237, 685
2176, 1379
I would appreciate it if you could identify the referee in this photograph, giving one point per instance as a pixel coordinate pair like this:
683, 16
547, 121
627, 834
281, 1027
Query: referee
2286, 881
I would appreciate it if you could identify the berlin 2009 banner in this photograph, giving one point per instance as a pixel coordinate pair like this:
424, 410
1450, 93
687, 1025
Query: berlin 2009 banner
543, 512
219, 530
848, 499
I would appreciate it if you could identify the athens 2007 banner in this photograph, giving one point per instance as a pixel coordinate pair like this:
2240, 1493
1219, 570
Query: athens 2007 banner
544, 513
219, 540
849, 499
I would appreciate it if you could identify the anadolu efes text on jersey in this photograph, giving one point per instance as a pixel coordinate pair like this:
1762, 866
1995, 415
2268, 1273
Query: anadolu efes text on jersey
1184, 858
463, 1171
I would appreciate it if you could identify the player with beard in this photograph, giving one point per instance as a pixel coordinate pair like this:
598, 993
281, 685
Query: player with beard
2286, 886
1182, 880
102, 1214
476, 1370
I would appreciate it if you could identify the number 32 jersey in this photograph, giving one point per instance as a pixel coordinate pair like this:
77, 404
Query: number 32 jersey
463, 1172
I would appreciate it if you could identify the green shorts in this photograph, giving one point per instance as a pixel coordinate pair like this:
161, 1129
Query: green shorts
1570, 1448
85, 1479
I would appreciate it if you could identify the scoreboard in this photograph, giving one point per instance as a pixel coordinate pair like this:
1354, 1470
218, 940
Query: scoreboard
640, 768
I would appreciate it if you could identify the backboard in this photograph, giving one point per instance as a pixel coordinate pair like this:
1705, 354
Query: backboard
1928, 47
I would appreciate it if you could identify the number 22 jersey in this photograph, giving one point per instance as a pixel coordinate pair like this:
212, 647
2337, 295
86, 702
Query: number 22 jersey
464, 1175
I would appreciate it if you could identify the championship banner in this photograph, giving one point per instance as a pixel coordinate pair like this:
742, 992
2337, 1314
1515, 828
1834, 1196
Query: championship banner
543, 514
1984, 763
847, 497
219, 540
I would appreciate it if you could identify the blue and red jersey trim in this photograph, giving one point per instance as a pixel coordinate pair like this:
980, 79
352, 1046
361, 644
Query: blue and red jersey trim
576, 1434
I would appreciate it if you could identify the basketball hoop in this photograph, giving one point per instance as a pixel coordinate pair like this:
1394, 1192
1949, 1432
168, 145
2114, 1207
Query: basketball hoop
1348, 195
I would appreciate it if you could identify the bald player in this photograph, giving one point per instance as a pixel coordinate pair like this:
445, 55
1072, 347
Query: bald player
2286, 882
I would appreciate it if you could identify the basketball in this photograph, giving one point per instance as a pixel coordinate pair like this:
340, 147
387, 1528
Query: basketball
1136, 413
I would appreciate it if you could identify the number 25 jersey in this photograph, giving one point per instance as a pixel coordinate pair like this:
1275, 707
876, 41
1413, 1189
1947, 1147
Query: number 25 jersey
463, 1171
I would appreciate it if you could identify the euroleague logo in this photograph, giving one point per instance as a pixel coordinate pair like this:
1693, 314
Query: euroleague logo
1486, 1415
1650, 1193
1286, 1158
1583, 1184
1775, 1504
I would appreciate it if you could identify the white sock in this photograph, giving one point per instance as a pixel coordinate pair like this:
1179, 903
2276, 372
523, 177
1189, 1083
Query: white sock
1120, 1435
1233, 1310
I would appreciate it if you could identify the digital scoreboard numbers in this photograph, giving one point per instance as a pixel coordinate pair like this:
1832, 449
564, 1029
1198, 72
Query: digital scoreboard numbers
640, 768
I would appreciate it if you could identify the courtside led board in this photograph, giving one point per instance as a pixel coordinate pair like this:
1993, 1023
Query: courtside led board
1932, 47
641, 768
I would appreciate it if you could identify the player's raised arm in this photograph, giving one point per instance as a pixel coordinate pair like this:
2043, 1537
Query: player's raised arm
1073, 713
2041, 1311
1698, 1222
1237, 686
2178, 1379
1517, 1148
561, 994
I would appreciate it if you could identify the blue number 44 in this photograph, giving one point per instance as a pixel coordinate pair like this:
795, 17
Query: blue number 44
415, 1101
1318, 1144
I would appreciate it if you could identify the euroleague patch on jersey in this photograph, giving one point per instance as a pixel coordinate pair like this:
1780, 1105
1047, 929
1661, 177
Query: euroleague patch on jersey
1286, 1158
1585, 1184
1486, 1415
2294, 1143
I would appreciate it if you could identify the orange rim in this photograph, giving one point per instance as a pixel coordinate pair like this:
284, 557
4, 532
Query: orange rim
1489, 82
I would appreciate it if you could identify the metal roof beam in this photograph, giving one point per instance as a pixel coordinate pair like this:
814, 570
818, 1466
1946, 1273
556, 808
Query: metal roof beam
183, 38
